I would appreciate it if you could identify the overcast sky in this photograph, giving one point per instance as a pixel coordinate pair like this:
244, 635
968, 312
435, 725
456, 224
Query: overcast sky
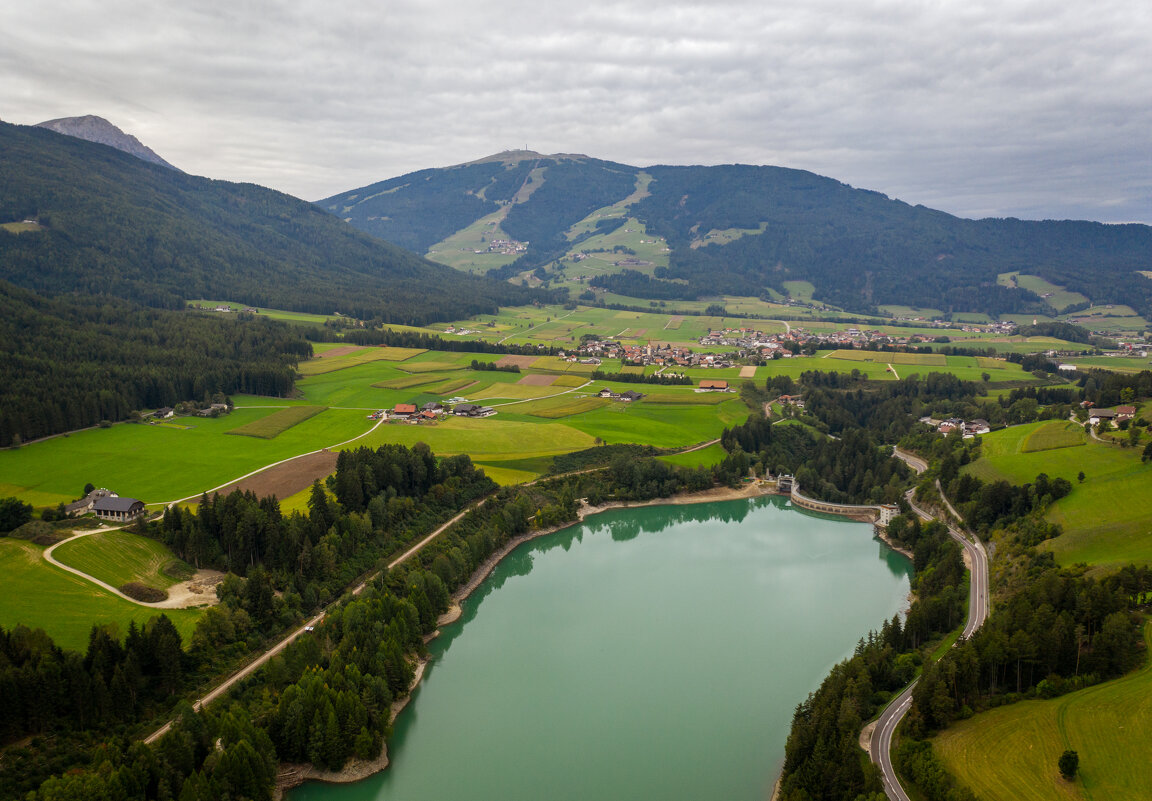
1001, 108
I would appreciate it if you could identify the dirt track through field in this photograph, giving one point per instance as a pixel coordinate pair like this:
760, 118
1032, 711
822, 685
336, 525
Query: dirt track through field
289, 478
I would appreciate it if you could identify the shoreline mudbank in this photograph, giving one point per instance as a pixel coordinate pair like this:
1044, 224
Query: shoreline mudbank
293, 775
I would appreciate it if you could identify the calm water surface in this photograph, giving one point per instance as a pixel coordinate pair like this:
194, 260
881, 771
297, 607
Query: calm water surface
652, 653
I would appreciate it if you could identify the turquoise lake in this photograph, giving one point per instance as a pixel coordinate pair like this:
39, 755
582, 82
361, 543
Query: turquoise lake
649, 653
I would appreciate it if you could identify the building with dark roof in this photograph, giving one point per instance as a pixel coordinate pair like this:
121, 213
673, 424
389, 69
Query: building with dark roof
118, 509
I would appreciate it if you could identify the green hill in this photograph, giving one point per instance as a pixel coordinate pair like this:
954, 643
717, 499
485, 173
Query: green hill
746, 230
109, 223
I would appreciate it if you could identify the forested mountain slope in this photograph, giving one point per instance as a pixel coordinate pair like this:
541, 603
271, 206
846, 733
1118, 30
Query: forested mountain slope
110, 223
859, 248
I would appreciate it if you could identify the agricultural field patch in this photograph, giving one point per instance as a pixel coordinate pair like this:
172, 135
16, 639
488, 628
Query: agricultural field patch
1010, 753
522, 362
538, 380
556, 364
1053, 435
687, 396
159, 464
40, 595
361, 355
564, 406
487, 438
407, 382
512, 392
1115, 364
912, 312
884, 357
433, 367
451, 386
118, 557
278, 422
569, 381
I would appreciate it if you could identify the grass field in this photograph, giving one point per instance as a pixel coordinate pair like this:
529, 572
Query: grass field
118, 557
1106, 518
1056, 296
1052, 435
564, 406
705, 457
407, 382
278, 422
162, 463
40, 595
329, 364
1010, 753
919, 359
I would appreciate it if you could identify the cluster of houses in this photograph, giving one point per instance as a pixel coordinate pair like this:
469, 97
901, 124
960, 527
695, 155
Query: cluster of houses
627, 397
106, 505
506, 247
212, 410
431, 412
651, 354
954, 425
1113, 416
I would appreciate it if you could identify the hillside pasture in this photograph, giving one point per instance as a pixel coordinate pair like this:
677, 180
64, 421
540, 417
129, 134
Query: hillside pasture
118, 557
1105, 518
1010, 753
40, 595
1056, 296
278, 422
1053, 435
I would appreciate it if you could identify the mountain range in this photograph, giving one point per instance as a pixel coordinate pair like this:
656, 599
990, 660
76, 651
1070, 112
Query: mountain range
742, 230
100, 221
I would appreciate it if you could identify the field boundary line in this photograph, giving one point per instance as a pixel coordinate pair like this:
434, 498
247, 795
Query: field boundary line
267, 467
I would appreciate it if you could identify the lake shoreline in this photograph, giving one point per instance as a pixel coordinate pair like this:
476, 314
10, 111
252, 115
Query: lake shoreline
356, 770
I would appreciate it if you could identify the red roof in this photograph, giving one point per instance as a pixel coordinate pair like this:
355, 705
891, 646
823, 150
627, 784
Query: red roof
713, 384
405, 408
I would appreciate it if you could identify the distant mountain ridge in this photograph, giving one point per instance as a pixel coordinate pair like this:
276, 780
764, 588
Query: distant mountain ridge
110, 223
747, 230
99, 130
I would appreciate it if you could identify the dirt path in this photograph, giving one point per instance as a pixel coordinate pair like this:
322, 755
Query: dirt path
194, 592
263, 658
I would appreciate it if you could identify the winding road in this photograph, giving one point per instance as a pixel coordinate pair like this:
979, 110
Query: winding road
880, 746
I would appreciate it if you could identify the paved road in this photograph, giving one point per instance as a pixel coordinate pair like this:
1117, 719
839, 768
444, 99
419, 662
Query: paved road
880, 747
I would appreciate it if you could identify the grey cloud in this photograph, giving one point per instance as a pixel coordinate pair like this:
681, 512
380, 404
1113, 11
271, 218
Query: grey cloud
980, 108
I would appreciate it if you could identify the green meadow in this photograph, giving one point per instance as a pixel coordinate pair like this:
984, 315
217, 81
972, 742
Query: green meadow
1105, 518
118, 557
40, 595
160, 463
1010, 753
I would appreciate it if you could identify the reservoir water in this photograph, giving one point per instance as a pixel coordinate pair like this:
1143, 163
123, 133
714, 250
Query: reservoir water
649, 653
